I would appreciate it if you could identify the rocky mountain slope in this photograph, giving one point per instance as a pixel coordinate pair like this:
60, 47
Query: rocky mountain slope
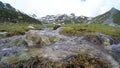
10, 14
64, 18
112, 17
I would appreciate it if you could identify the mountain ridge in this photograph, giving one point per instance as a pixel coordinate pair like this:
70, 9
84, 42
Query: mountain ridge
10, 14
110, 17
64, 18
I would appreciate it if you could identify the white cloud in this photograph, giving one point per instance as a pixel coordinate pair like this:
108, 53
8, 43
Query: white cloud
79, 7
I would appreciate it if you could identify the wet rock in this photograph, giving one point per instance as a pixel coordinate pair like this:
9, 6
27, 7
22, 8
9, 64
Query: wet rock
102, 39
12, 41
62, 51
108, 40
6, 52
116, 48
116, 52
94, 39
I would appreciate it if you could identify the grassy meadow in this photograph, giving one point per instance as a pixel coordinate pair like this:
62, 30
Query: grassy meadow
17, 28
69, 29
84, 29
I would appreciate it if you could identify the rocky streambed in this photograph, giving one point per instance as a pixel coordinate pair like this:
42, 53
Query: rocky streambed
48, 48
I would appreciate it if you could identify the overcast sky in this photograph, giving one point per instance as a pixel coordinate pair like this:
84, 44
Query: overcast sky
42, 8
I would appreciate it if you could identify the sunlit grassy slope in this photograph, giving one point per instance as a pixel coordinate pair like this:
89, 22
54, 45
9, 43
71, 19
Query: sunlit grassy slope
20, 28
7, 15
111, 14
84, 29
69, 29
116, 18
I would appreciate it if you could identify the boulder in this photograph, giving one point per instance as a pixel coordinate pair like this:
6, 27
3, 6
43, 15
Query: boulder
35, 39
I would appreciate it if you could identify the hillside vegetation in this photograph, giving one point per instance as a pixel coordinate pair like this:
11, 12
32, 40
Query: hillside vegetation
85, 29
116, 18
17, 28
7, 15
20, 28
112, 16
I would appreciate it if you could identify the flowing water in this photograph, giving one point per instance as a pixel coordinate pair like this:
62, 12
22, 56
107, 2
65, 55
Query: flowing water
72, 45
64, 48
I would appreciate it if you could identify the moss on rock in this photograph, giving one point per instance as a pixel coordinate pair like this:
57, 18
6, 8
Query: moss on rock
34, 39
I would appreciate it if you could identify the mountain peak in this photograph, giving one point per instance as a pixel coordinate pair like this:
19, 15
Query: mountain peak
113, 10
6, 5
112, 17
1, 4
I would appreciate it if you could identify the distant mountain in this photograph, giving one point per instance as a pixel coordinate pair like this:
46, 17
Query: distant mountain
6, 5
10, 14
112, 17
64, 18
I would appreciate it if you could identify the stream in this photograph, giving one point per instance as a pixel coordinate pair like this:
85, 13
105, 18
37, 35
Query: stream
64, 48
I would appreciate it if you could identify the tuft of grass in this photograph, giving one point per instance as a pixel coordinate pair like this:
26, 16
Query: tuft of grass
84, 29
87, 61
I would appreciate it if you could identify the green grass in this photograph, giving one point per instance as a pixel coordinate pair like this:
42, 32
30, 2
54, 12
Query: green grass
84, 29
100, 18
69, 29
17, 28
116, 18
20, 28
